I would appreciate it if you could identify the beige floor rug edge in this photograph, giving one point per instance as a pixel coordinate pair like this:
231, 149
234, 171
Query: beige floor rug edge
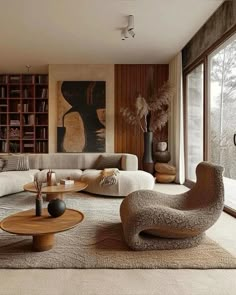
98, 243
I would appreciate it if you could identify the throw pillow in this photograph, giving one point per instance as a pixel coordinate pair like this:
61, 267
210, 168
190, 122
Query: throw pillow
17, 163
2, 164
106, 161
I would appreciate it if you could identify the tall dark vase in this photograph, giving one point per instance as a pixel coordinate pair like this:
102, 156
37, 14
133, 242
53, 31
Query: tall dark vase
148, 164
38, 206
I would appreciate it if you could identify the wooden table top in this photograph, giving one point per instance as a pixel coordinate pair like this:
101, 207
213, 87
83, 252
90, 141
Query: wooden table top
60, 188
26, 223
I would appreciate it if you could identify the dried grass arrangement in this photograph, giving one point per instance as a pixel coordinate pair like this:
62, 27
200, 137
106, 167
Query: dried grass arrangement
38, 186
150, 114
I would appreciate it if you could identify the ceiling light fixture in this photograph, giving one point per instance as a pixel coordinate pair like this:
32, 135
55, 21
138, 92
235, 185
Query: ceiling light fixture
132, 33
129, 30
130, 22
126, 32
28, 67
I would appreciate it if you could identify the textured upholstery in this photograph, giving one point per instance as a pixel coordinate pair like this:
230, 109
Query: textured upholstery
78, 161
153, 220
127, 182
13, 181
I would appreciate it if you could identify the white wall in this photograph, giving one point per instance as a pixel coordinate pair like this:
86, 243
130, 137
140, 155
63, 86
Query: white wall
81, 73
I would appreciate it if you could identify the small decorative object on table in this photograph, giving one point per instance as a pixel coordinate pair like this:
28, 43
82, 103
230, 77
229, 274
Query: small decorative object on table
51, 178
67, 181
161, 146
39, 198
56, 207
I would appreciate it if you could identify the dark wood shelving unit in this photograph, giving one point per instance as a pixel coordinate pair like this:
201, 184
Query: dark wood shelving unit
23, 113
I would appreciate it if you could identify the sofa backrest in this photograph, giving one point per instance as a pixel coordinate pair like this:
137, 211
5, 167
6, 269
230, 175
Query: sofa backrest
77, 160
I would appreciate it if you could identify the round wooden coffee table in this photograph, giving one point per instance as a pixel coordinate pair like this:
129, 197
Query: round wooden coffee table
57, 191
42, 228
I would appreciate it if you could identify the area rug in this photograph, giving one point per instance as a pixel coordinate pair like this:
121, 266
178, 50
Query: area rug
98, 242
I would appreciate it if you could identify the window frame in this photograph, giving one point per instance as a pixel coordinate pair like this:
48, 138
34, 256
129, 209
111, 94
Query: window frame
185, 87
203, 59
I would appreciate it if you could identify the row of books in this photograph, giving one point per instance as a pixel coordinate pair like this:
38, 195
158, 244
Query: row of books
44, 93
42, 133
29, 119
41, 147
15, 133
14, 122
4, 147
43, 106
3, 92
25, 79
25, 107
3, 133
28, 134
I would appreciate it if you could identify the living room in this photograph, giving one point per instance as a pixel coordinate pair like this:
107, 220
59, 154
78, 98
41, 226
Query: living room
122, 49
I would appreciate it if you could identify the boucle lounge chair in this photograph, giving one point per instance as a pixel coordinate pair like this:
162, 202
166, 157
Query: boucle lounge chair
153, 220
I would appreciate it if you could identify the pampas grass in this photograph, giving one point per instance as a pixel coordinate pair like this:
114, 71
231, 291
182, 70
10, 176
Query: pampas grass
155, 107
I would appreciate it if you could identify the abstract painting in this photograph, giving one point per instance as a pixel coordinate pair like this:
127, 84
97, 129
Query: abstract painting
81, 116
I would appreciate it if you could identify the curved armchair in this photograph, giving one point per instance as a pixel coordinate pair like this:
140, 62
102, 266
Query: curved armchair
153, 220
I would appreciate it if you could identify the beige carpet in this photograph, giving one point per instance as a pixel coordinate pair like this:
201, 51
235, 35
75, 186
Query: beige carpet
98, 242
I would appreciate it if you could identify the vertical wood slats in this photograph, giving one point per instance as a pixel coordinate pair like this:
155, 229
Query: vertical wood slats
130, 80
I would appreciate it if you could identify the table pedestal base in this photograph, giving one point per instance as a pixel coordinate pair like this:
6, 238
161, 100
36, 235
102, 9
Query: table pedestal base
43, 242
53, 196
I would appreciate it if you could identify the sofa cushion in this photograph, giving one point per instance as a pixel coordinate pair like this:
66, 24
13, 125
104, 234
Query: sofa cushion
107, 161
13, 181
78, 161
17, 163
127, 182
2, 164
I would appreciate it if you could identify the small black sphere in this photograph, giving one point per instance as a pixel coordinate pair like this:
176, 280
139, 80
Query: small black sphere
56, 207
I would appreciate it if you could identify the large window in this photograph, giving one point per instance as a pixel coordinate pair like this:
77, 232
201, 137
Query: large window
222, 122
194, 120
210, 117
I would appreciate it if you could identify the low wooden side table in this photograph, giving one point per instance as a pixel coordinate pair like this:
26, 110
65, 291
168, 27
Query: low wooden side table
41, 228
57, 191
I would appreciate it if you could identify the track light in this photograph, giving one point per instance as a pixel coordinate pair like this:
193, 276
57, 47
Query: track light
129, 30
132, 33
124, 34
130, 22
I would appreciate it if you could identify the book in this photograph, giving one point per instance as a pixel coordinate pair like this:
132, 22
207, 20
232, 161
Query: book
44, 93
67, 181
31, 119
28, 145
2, 92
14, 122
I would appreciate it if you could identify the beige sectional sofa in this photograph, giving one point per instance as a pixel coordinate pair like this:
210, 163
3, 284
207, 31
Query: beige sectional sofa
13, 181
86, 167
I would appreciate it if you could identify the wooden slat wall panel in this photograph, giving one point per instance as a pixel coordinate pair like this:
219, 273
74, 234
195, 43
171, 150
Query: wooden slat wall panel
129, 81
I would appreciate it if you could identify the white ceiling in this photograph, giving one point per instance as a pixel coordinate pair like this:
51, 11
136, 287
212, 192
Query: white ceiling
42, 32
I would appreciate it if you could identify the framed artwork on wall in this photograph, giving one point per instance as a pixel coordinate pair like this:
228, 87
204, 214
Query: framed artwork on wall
81, 116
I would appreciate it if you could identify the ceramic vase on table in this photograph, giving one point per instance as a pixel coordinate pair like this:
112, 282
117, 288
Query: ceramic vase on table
162, 155
38, 205
51, 178
147, 160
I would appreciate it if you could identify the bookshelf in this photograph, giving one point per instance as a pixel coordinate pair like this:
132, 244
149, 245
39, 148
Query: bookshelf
23, 113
